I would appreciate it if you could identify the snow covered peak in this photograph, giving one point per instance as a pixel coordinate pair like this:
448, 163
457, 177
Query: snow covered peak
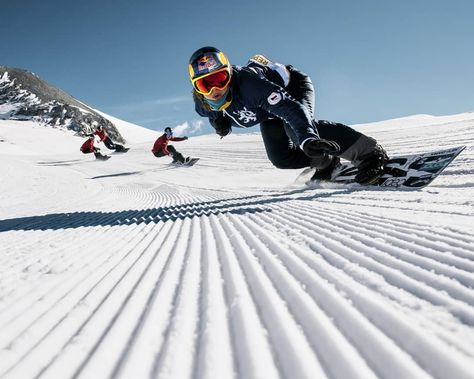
25, 96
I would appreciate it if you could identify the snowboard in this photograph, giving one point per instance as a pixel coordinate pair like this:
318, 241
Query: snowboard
104, 158
404, 171
189, 162
124, 150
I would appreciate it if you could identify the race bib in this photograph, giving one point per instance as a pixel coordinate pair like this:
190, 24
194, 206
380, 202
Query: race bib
260, 59
278, 67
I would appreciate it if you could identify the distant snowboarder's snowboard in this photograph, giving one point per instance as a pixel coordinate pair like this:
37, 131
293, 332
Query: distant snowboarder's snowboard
189, 162
104, 157
404, 171
124, 150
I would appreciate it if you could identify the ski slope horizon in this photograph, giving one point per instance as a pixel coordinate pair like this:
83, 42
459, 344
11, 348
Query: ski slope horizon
134, 267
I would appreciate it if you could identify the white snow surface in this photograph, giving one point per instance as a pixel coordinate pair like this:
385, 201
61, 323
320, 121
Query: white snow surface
134, 268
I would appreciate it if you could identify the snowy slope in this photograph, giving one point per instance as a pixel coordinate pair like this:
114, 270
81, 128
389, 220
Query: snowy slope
134, 268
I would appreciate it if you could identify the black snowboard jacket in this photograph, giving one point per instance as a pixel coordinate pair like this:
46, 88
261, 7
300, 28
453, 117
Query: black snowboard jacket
258, 94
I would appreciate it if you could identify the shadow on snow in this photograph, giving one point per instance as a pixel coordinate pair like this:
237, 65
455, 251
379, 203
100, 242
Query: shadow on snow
118, 174
239, 206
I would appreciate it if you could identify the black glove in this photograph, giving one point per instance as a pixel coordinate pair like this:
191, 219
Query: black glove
224, 132
185, 137
317, 147
223, 126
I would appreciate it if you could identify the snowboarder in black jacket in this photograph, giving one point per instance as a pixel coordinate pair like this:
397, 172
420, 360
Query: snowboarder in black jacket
281, 99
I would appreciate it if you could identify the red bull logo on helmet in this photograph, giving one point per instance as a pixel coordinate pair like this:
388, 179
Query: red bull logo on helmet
207, 63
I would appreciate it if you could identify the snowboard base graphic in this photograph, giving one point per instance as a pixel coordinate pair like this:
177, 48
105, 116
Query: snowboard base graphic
404, 171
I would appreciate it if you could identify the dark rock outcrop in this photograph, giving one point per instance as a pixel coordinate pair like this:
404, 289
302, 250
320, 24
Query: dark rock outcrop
25, 96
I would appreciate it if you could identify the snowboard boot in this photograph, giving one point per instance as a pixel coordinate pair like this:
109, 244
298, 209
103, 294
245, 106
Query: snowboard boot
98, 155
101, 157
326, 172
371, 167
177, 157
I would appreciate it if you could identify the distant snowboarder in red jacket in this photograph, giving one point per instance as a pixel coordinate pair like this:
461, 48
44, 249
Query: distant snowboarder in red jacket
161, 147
102, 134
88, 147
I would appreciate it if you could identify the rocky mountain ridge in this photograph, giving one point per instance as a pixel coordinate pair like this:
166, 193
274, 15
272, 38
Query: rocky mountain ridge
25, 96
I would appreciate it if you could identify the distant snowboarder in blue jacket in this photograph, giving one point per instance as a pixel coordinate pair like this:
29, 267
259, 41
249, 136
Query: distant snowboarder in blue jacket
281, 99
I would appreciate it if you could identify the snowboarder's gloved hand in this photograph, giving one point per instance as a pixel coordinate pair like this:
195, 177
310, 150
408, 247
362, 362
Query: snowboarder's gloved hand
185, 137
223, 126
317, 147
224, 131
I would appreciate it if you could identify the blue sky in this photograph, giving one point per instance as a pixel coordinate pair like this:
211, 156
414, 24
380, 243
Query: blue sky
370, 60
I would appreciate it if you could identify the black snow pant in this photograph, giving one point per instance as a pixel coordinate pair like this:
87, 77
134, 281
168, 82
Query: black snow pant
112, 145
177, 157
281, 143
